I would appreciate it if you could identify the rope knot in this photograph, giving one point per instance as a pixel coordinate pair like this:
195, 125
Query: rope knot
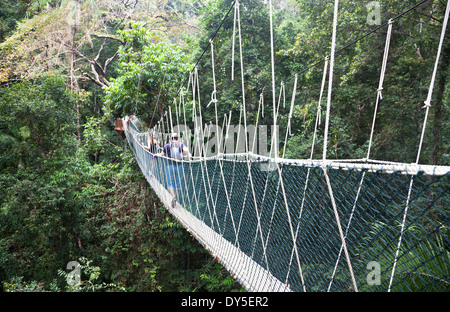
319, 114
213, 98
261, 102
379, 92
427, 104
324, 165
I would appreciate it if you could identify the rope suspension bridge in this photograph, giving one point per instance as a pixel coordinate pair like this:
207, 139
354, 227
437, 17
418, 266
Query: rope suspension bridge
280, 224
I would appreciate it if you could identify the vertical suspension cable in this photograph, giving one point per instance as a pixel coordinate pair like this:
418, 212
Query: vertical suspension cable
318, 118
327, 122
243, 109
275, 110
274, 142
433, 77
378, 98
214, 100
234, 38
190, 158
330, 78
203, 151
294, 236
167, 122
242, 76
319, 105
170, 119
272, 61
261, 108
380, 84
427, 106
291, 109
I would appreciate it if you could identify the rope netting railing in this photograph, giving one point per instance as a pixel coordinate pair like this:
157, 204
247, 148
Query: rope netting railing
302, 224
254, 242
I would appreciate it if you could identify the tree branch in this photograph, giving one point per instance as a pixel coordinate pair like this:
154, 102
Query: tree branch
184, 21
109, 37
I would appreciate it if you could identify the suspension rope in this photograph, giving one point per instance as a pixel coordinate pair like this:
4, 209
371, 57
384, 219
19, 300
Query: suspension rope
427, 106
261, 108
261, 102
330, 79
341, 234
380, 84
289, 130
241, 56
202, 135
311, 155
319, 106
272, 63
433, 77
207, 46
327, 122
246, 139
236, 8
214, 100
378, 98
190, 160
359, 39
269, 167
281, 182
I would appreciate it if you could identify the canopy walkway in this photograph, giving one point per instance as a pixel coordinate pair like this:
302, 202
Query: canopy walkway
307, 225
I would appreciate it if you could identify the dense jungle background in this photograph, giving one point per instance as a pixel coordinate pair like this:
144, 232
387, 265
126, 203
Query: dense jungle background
70, 188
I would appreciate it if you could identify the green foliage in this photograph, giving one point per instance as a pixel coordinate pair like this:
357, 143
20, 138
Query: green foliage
94, 138
62, 200
411, 274
37, 122
149, 75
217, 279
17, 285
356, 75
10, 12
256, 58
90, 284
59, 204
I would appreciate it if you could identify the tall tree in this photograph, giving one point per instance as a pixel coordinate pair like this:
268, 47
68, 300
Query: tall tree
149, 76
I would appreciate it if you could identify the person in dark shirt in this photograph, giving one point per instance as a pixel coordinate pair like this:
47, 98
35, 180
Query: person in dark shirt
174, 170
152, 144
152, 147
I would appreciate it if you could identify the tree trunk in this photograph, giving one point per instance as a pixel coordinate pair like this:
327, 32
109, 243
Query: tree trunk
73, 81
439, 109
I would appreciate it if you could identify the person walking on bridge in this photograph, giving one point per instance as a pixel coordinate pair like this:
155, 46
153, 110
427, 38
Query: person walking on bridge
174, 170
